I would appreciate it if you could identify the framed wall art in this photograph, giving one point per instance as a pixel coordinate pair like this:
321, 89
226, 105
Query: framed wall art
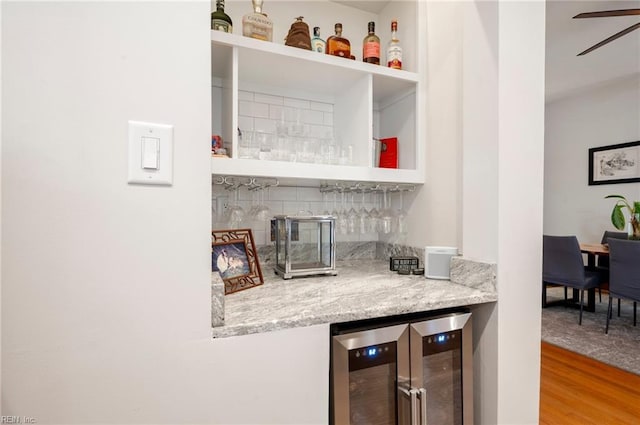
614, 164
234, 256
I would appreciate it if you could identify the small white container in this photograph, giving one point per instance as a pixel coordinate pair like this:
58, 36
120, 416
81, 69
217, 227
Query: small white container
437, 261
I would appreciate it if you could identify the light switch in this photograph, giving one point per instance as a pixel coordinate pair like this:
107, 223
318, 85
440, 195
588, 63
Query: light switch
150, 153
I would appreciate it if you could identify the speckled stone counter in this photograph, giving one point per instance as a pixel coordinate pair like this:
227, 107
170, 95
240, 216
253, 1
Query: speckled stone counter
363, 289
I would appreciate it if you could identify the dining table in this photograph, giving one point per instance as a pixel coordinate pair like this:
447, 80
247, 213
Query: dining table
593, 250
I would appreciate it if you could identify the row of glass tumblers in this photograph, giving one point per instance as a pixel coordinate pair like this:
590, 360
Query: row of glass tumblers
272, 147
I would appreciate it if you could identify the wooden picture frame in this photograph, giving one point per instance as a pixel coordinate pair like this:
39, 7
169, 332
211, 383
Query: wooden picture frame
234, 256
614, 164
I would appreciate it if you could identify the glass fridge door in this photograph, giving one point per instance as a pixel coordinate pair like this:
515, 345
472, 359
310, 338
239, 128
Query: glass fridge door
370, 377
442, 369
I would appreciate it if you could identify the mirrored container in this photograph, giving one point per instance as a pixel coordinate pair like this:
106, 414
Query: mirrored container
305, 245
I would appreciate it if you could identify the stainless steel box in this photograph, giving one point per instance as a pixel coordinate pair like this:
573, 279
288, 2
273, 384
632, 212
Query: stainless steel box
305, 245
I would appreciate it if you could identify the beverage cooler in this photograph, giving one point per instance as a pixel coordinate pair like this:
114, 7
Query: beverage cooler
414, 370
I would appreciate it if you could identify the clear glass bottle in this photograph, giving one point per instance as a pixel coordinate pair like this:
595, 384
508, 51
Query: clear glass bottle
337, 45
220, 21
371, 46
317, 44
394, 49
257, 24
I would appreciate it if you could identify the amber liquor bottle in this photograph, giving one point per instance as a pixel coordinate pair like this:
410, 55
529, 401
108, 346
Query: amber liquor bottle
220, 21
371, 46
394, 49
337, 45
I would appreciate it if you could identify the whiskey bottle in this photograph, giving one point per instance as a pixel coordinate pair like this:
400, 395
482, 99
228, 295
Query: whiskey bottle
371, 46
317, 44
257, 24
220, 21
338, 45
394, 49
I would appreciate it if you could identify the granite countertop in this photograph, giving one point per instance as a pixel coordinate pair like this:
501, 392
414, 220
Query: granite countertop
362, 289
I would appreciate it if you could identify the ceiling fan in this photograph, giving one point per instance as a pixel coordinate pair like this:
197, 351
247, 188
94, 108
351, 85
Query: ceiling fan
606, 14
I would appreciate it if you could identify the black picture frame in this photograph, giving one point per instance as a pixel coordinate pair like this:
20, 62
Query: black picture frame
614, 164
234, 256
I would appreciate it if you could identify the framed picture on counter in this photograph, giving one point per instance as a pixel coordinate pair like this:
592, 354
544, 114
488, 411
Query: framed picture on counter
234, 256
614, 164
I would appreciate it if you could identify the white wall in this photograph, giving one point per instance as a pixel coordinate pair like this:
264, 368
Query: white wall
105, 297
502, 197
602, 116
106, 286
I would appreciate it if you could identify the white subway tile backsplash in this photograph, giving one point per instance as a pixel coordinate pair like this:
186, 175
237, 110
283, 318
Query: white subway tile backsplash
319, 106
245, 123
245, 95
267, 98
296, 103
288, 200
292, 207
312, 117
284, 194
276, 113
245, 108
328, 118
260, 110
291, 114
264, 125
308, 194
320, 131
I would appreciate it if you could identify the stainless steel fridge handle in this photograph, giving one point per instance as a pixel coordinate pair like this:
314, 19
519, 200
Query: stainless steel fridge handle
423, 406
413, 396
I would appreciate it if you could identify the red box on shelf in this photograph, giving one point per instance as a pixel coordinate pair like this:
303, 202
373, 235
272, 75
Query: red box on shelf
389, 153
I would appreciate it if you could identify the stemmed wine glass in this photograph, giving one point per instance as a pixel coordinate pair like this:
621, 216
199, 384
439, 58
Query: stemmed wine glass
401, 216
352, 217
364, 218
235, 214
386, 214
374, 213
341, 222
262, 212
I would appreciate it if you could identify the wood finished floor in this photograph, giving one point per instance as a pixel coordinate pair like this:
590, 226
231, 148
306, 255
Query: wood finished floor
575, 389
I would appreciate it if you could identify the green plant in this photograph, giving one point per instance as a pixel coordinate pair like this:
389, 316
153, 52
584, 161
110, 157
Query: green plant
617, 216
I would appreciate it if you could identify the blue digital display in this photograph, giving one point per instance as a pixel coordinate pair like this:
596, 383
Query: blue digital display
371, 352
440, 338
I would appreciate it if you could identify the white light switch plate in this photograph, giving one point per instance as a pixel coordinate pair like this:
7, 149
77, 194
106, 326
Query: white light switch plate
150, 167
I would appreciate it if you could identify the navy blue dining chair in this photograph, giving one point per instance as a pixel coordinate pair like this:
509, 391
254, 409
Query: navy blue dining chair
562, 264
624, 274
602, 262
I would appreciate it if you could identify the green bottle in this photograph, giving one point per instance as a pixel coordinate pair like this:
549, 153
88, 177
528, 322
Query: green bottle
220, 21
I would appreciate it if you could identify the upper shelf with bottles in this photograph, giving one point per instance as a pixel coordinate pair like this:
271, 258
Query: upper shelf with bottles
264, 62
361, 102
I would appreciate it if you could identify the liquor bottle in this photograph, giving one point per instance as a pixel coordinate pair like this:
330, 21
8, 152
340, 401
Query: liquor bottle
317, 44
220, 21
371, 46
338, 45
298, 35
257, 24
394, 49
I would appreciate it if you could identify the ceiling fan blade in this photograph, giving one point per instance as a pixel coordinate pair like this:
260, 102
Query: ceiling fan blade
607, 13
610, 39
